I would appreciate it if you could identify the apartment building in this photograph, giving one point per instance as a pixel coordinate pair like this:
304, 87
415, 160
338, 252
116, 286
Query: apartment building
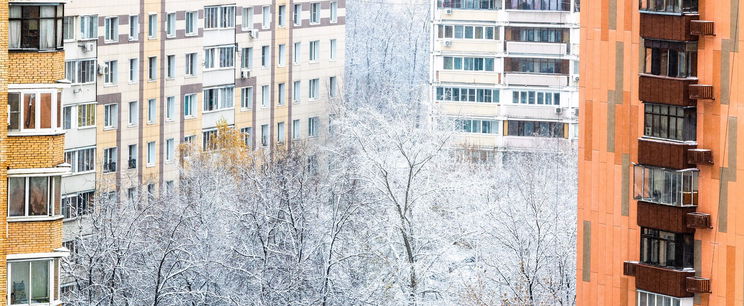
506, 72
147, 76
31, 152
658, 154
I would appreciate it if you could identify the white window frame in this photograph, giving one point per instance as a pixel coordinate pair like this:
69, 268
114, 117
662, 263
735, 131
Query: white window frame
314, 89
189, 100
314, 51
332, 52
224, 98
297, 14
246, 98
53, 274
110, 116
297, 91
152, 26
151, 152
152, 111
247, 18
133, 113
55, 127
246, 56
134, 27
133, 70
88, 27
191, 64
79, 114
266, 17
152, 68
282, 16
111, 77
74, 71
315, 13
334, 12
265, 56
265, 96
296, 129
86, 155
280, 134
52, 193
192, 23
313, 126
297, 53
170, 108
282, 61
111, 29
170, 61
265, 135
110, 155
170, 149
170, 25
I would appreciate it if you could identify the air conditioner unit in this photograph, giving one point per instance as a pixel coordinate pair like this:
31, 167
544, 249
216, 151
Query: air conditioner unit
102, 69
87, 46
244, 74
448, 11
253, 33
576, 78
576, 112
558, 110
447, 43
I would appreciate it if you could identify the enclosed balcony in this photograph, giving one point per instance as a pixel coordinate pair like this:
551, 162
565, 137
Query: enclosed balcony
538, 41
34, 112
665, 186
536, 72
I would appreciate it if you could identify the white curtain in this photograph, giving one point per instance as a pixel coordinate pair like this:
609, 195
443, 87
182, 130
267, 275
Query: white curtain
46, 28
15, 27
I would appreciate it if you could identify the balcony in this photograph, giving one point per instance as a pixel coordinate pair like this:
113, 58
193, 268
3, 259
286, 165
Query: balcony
665, 186
661, 280
666, 90
537, 48
664, 217
665, 154
536, 79
667, 27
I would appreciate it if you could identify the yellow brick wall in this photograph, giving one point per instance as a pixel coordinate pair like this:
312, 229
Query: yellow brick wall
3, 149
36, 67
35, 151
34, 237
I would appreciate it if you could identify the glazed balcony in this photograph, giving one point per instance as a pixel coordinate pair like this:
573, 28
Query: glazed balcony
665, 154
662, 280
666, 90
665, 186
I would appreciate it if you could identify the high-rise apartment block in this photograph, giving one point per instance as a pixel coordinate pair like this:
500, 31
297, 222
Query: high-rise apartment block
31, 152
658, 153
506, 71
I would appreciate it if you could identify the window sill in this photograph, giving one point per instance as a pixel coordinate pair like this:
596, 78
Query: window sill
36, 133
245, 109
91, 127
133, 39
108, 85
189, 117
219, 69
81, 173
170, 36
191, 34
189, 76
109, 172
36, 219
150, 165
130, 125
110, 41
217, 110
133, 82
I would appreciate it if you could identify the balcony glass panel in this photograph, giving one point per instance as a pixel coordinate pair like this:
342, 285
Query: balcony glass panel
539, 5
666, 249
34, 27
34, 111
537, 65
470, 4
664, 186
670, 122
669, 6
672, 59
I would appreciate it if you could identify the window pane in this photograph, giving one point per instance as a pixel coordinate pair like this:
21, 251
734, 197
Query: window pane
16, 196
38, 196
40, 279
20, 284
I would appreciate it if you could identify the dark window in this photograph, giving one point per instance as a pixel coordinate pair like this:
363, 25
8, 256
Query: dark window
539, 35
673, 59
539, 5
537, 65
36, 27
666, 249
669, 6
535, 129
470, 4
670, 122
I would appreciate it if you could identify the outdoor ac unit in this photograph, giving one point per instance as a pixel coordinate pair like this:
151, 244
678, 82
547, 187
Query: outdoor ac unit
558, 110
447, 43
244, 74
576, 112
448, 11
87, 46
253, 33
102, 69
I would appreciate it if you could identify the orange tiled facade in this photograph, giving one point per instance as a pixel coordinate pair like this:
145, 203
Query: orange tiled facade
31, 152
658, 222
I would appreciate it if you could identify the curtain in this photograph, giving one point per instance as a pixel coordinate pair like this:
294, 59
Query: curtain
15, 27
46, 28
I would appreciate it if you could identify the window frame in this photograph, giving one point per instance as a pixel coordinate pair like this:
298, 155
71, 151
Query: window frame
23, 107
111, 29
53, 193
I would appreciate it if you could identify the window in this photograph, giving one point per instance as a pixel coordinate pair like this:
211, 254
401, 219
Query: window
246, 97
334, 12
282, 93
69, 28
111, 29
218, 98
524, 65
67, 117
35, 27
332, 86
86, 115
132, 161
33, 196
296, 129
540, 5
314, 13
151, 154
132, 194
296, 91
665, 186
297, 14
672, 59
133, 27
188, 105
265, 56
81, 71
666, 249
191, 20
470, 4
314, 50
109, 160
548, 35
111, 73
477, 32
171, 71
133, 113
282, 55
669, 6
471, 63
282, 15
152, 25
169, 185
152, 68
247, 18
170, 149
208, 140
227, 17
170, 108
170, 25
34, 111
211, 17
81, 160
313, 126
296, 53
32, 280
247, 136
280, 132
670, 122
654, 299
151, 112
264, 135
226, 59
246, 58
133, 70
265, 96
534, 97
77, 204
110, 116
266, 17
332, 54
536, 129
477, 126
89, 27
191, 64
456, 94
314, 89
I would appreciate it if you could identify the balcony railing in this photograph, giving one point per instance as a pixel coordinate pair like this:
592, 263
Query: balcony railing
661, 280
665, 186
702, 27
664, 217
667, 27
666, 90
525, 47
665, 154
